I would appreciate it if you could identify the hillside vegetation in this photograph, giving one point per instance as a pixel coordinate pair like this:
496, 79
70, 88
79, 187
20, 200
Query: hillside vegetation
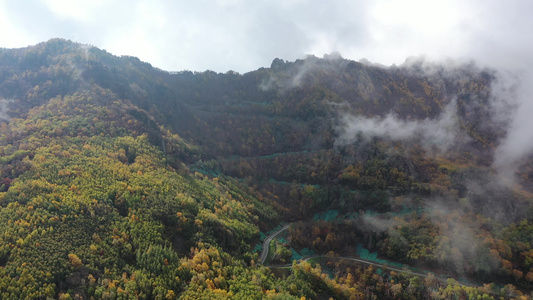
122, 181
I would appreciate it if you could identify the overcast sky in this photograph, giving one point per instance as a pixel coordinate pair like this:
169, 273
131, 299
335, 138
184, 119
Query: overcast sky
245, 35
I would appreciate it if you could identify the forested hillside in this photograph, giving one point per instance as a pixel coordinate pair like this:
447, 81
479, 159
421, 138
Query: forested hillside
122, 181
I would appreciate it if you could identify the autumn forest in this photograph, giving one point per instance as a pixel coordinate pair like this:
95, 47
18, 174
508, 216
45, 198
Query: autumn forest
119, 180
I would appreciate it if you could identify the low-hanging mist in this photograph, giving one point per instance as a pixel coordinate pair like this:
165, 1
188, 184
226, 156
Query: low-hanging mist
515, 93
438, 134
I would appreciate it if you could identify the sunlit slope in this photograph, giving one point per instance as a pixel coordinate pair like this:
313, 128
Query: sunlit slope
121, 180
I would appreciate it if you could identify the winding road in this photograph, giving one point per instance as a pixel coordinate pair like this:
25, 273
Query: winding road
266, 249
387, 267
266, 243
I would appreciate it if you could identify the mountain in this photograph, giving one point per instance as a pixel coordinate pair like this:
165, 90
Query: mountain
120, 180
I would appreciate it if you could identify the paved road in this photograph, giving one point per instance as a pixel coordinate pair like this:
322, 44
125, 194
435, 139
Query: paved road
266, 243
374, 264
397, 269
266, 249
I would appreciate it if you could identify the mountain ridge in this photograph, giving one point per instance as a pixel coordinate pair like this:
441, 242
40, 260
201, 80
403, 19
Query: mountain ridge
165, 181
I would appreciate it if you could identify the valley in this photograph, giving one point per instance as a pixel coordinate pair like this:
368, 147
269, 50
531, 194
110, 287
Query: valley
123, 181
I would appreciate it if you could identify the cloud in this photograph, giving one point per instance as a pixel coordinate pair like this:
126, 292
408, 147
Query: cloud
379, 223
72, 9
502, 41
294, 77
243, 35
435, 134
198, 35
4, 107
460, 242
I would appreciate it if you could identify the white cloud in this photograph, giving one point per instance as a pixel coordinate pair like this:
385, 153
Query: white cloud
400, 29
10, 35
435, 134
243, 35
79, 10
